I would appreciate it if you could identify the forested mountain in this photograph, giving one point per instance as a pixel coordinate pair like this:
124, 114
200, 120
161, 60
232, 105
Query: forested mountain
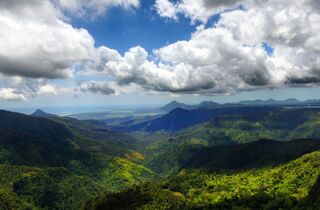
175, 104
218, 158
179, 118
62, 154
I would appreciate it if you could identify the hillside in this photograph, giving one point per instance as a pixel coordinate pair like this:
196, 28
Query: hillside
287, 187
261, 153
86, 148
174, 168
256, 154
42, 127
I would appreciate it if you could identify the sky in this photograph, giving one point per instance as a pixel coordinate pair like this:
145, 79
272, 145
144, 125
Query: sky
100, 53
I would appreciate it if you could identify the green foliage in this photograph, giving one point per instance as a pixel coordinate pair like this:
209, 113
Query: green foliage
283, 187
68, 162
121, 174
51, 188
165, 155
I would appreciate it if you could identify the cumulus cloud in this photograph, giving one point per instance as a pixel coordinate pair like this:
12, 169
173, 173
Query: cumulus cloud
200, 10
221, 59
35, 43
230, 56
166, 9
47, 89
10, 94
94, 8
102, 88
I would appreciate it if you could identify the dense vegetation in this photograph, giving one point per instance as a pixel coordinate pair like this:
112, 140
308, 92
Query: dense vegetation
165, 156
52, 188
63, 154
244, 157
289, 186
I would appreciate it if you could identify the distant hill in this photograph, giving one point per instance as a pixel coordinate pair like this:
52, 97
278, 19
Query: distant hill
289, 101
175, 104
42, 127
207, 104
269, 102
180, 118
40, 113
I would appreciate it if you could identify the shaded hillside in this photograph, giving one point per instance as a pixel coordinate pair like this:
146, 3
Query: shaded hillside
313, 199
23, 148
42, 127
257, 154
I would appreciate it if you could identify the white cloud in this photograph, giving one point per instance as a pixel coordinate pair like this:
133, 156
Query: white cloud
47, 90
10, 94
200, 10
166, 9
230, 56
102, 88
40, 46
94, 8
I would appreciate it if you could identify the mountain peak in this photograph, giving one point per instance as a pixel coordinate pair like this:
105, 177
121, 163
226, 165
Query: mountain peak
208, 104
41, 113
173, 105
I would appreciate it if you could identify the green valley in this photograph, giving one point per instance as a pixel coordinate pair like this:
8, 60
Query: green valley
243, 157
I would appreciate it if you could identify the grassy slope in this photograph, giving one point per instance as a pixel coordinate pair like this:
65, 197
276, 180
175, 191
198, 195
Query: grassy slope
121, 174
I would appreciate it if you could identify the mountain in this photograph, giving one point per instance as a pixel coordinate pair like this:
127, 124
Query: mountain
289, 101
269, 102
202, 158
40, 113
58, 154
83, 147
207, 104
174, 105
45, 128
167, 153
180, 118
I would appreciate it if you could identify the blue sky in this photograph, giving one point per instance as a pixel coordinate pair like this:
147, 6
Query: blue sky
155, 52
122, 29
